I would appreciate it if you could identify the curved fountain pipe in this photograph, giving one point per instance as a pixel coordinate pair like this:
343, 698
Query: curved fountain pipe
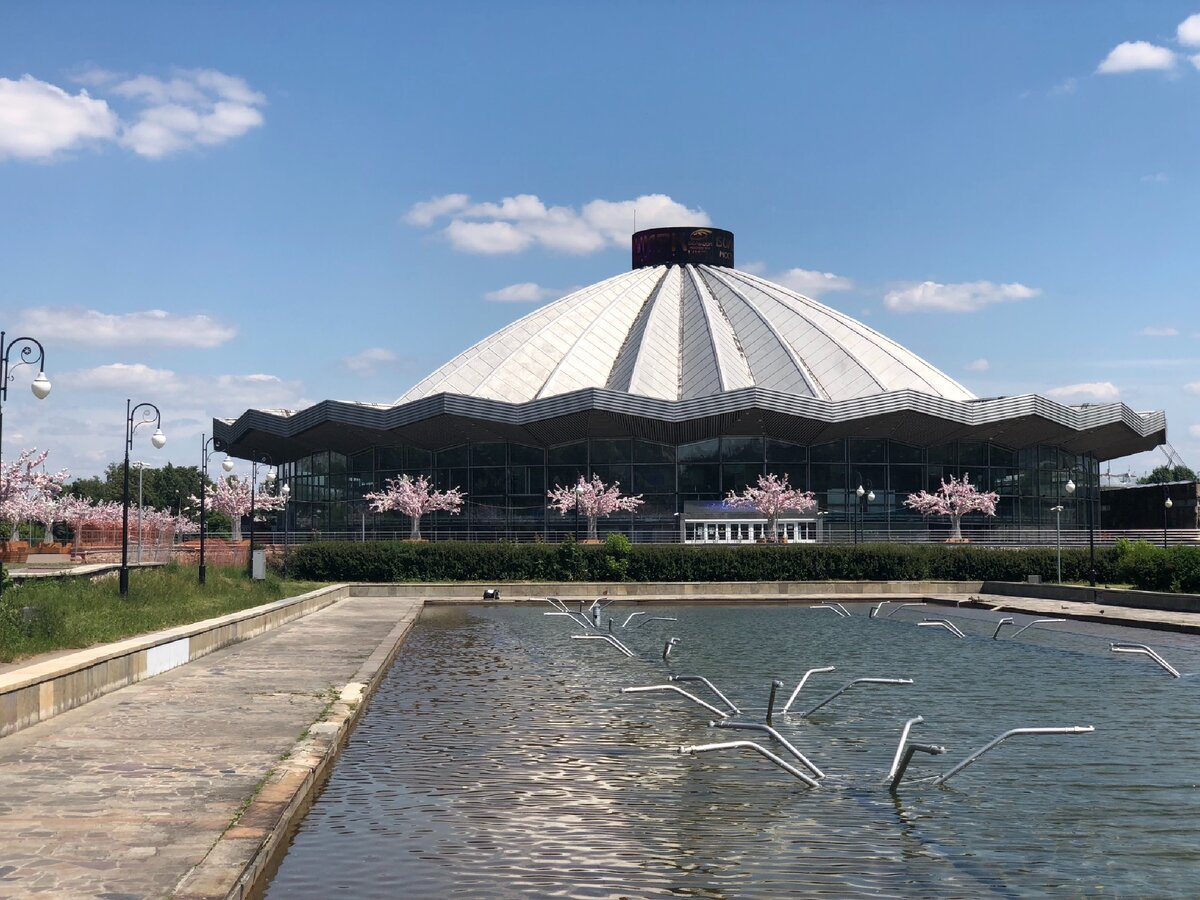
643, 623
757, 748
916, 720
1145, 651
1007, 620
607, 638
875, 609
892, 612
1071, 729
849, 685
712, 687
845, 612
841, 615
1031, 624
625, 624
668, 647
555, 602
792, 699
779, 738
659, 688
943, 623
931, 749
584, 625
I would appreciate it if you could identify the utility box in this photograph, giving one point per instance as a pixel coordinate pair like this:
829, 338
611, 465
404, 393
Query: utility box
258, 565
1033, 579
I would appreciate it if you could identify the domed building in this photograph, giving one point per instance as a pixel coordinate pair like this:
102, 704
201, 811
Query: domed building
683, 379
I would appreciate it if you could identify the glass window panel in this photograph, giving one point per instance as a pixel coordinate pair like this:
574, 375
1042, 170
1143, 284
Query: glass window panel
390, 458
870, 477
519, 454
452, 456
904, 453
907, 479
1002, 456
609, 474
972, 453
608, 450
419, 458
943, 454
657, 506
1005, 481
489, 454
320, 463
834, 451
700, 479
785, 452
363, 461
827, 477
568, 454
563, 476
700, 451
736, 476
742, 449
452, 478
648, 479
868, 451
651, 452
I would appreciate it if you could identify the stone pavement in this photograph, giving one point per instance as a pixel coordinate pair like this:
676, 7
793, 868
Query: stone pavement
1129, 616
122, 797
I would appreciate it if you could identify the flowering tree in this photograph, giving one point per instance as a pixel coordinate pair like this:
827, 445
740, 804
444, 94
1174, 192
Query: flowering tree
414, 499
592, 499
954, 499
772, 497
28, 492
231, 496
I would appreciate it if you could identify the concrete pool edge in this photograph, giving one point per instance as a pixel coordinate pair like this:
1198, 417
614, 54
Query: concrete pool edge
242, 858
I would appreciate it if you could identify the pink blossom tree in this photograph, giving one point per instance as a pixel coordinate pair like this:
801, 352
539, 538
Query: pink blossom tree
772, 497
231, 496
414, 498
592, 499
28, 492
954, 499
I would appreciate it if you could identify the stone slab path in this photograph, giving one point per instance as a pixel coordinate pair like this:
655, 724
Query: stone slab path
122, 797
1134, 617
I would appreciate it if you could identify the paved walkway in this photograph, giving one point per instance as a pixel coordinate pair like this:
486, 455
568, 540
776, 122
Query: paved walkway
1131, 616
120, 798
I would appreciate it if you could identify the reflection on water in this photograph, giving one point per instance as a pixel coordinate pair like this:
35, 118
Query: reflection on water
499, 760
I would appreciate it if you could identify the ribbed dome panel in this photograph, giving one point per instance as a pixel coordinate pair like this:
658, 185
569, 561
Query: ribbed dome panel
683, 332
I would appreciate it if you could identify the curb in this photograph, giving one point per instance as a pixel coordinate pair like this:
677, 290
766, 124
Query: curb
238, 864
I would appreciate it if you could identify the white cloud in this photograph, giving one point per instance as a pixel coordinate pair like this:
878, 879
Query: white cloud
813, 284
1192, 388
1194, 431
39, 120
1065, 87
370, 360
967, 296
195, 107
1195, 60
1136, 56
1157, 331
1188, 32
525, 292
979, 365
429, 211
1099, 391
1155, 178
92, 328
519, 222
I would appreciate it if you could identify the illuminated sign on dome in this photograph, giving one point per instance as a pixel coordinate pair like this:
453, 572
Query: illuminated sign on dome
679, 246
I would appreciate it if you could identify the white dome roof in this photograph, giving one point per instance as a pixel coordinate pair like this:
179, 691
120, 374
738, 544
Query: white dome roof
681, 332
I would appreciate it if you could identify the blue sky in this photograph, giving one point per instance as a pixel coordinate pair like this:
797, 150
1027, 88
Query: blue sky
215, 206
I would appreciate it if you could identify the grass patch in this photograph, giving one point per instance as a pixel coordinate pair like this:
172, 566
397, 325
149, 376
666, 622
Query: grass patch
73, 613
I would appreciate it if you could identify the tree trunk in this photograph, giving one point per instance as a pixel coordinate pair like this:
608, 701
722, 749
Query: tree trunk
592, 533
415, 534
956, 528
773, 529
235, 528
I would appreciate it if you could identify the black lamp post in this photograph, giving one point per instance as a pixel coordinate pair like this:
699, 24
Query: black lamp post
863, 498
227, 465
1167, 504
256, 460
40, 386
578, 495
285, 492
1069, 487
149, 413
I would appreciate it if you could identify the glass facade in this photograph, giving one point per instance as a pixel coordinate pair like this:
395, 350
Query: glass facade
506, 484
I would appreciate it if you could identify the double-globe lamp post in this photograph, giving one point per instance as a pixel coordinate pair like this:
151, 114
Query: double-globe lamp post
227, 465
32, 353
263, 459
148, 414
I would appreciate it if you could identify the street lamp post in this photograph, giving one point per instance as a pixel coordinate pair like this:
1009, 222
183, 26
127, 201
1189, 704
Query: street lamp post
227, 465
578, 497
285, 492
32, 353
1057, 510
1069, 487
1167, 504
857, 523
866, 497
149, 413
264, 459
821, 514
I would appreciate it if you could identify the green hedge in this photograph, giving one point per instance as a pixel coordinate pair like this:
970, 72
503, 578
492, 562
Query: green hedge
1140, 564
